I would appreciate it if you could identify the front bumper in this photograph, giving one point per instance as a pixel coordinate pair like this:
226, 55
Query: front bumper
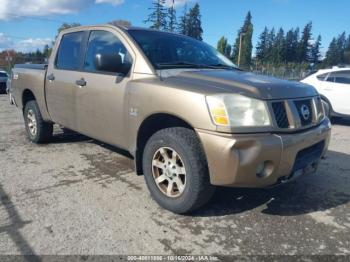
262, 160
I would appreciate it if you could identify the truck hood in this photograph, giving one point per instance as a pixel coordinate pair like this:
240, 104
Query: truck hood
248, 84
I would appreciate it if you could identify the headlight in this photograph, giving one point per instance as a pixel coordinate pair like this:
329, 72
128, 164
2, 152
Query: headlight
234, 110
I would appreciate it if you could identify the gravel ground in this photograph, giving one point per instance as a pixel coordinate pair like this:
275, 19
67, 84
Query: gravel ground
78, 196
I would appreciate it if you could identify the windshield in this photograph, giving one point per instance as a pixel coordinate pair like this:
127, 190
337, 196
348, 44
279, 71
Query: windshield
2, 74
166, 50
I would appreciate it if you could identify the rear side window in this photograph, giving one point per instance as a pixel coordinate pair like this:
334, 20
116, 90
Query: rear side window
322, 77
106, 43
341, 77
70, 51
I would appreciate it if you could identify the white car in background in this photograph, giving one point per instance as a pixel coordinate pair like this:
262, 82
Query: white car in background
334, 88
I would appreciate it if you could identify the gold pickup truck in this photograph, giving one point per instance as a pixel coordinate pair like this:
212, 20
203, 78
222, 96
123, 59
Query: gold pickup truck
189, 117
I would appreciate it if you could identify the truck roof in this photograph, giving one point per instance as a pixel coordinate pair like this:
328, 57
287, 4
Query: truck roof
124, 28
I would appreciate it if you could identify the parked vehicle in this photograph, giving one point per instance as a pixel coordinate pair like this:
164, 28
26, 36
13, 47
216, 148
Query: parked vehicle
188, 116
3, 81
334, 87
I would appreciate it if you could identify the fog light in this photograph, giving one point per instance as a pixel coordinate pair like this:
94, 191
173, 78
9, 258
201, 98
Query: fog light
264, 169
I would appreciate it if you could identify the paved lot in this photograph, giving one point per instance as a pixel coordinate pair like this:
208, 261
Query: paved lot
76, 196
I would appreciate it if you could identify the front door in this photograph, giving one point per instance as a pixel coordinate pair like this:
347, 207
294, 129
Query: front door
101, 96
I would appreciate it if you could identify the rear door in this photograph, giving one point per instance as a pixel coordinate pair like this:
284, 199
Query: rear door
336, 88
101, 99
61, 79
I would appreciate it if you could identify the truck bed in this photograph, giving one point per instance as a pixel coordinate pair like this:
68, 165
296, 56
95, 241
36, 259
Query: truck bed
30, 78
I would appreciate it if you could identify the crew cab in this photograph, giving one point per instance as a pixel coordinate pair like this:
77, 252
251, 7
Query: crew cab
187, 115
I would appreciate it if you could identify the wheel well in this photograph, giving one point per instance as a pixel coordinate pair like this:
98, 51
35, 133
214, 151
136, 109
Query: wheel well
150, 126
328, 102
27, 96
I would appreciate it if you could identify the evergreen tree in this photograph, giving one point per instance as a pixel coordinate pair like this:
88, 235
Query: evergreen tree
279, 48
120, 22
172, 23
341, 45
66, 26
158, 16
245, 33
315, 54
183, 24
332, 55
223, 47
304, 44
262, 46
347, 51
292, 43
47, 51
270, 45
338, 51
194, 23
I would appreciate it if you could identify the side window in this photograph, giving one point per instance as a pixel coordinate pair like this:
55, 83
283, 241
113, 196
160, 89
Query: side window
322, 77
70, 51
341, 77
106, 53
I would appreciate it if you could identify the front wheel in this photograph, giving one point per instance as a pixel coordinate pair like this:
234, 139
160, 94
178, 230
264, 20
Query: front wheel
176, 170
38, 131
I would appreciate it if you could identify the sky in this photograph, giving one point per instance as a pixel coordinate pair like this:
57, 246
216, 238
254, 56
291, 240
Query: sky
26, 25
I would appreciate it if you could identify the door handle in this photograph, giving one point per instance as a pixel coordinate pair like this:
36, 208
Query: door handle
81, 82
51, 77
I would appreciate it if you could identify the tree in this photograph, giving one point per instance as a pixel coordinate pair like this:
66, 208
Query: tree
120, 22
332, 55
304, 44
194, 23
279, 48
223, 47
158, 16
172, 22
315, 54
246, 34
65, 26
347, 51
183, 24
292, 45
270, 45
341, 45
262, 46
47, 51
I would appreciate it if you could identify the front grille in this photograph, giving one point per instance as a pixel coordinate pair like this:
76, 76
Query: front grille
305, 111
308, 156
280, 113
294, 114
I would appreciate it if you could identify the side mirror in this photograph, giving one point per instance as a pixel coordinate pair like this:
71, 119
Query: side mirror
109, 63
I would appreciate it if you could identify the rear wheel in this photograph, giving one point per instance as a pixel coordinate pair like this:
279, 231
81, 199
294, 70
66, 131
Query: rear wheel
38, 131
176, 170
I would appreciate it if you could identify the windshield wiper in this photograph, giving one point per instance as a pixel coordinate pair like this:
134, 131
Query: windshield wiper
193, 65
181, 64
223, 66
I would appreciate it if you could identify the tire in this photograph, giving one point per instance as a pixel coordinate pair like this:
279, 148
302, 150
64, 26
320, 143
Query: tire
182, 146
327, 108
38, 131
